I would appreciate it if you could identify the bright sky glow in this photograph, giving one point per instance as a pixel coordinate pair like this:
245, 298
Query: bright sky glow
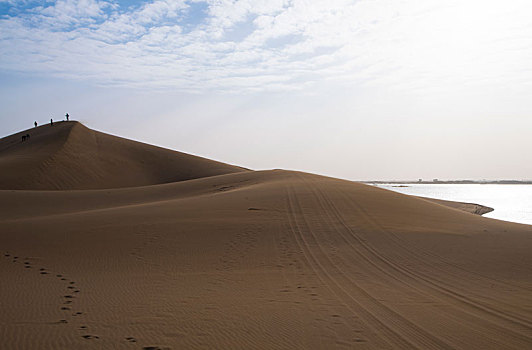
442, 77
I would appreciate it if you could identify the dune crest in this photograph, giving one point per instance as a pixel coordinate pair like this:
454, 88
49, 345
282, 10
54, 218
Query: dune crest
225, 258
70, 156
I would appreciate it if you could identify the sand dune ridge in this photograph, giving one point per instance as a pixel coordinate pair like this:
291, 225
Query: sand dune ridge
228, 258
70, 156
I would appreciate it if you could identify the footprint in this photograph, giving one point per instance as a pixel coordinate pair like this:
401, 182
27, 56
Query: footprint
72, 288
131, 339
68, 298
89, 336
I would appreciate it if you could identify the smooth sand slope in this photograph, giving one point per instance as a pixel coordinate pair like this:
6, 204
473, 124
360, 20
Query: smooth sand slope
70, 156
269, 259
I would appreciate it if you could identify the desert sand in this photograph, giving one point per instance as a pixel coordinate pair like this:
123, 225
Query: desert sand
108, 243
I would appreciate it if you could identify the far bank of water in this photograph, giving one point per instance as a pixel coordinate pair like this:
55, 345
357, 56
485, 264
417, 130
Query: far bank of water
511, 202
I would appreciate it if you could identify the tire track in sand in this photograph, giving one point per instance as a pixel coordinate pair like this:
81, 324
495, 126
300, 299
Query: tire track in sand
385, 323
518, 338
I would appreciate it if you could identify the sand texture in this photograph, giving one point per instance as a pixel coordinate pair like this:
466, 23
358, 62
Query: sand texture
70, 156
237, 259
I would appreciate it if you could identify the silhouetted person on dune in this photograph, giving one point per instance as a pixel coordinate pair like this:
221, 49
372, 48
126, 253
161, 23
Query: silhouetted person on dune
51, 122
66, 115
35, 124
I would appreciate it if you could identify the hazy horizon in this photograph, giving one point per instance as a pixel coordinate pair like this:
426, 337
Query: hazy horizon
361, 90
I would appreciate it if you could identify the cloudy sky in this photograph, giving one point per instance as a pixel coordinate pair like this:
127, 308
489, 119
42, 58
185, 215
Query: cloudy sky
368, 89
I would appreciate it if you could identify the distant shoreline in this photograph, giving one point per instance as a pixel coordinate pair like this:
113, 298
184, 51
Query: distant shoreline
472, 208
454, 182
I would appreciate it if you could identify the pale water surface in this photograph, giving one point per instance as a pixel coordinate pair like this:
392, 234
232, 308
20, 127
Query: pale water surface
511, 202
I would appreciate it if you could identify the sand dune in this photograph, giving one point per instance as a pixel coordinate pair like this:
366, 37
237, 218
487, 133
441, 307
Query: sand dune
70, 156
257, 259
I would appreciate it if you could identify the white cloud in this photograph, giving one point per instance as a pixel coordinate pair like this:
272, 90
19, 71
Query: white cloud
67, 13
409, 45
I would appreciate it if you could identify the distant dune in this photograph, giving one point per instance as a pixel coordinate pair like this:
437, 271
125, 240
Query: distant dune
196, 254
68, 156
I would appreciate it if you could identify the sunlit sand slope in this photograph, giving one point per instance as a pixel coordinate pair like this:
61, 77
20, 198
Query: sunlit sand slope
272, 260
69, 156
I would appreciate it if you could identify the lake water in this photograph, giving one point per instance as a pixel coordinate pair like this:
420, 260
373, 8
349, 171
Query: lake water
511, 202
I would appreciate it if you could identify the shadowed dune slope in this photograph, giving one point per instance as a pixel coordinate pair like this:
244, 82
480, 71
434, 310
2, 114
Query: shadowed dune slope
258, 260
69, 156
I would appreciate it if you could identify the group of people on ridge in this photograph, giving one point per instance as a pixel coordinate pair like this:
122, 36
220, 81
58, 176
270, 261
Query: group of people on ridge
52, 120
27, 136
